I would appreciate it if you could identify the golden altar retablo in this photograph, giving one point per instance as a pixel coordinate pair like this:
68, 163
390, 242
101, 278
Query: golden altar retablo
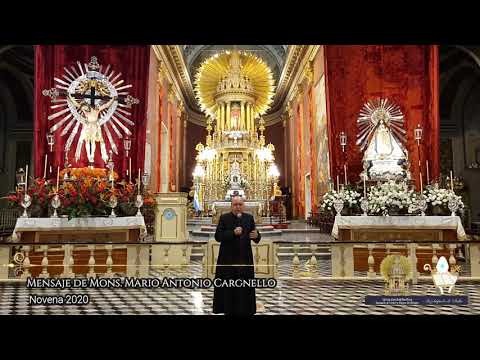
234, 89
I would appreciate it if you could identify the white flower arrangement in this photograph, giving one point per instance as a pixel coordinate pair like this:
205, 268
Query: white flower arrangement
350, 199
440, 197
390, 195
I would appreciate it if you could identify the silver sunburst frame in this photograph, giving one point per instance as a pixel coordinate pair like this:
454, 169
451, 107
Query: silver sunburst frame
84, 86
371, 116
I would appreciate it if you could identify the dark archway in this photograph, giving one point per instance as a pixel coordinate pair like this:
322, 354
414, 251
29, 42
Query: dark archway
16, 112
460, 118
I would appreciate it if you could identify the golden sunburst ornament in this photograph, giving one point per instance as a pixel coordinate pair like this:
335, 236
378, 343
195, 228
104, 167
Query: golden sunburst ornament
252, 73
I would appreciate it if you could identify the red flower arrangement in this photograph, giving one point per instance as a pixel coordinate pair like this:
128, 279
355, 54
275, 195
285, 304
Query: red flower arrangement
86, 193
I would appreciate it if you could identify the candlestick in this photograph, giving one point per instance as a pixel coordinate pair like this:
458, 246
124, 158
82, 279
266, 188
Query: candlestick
26, 178
58, 177
138, 179
45, 167
451, 179
345, 172
364, 188
428, 176
338, 183
112, 181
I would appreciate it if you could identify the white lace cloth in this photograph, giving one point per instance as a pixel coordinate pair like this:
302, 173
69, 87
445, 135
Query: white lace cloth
399, 222
91, 223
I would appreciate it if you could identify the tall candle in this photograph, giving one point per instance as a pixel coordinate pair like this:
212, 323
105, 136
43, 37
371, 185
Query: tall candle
26, 178
345, 172
139, 180
130, 169
451, 179
338, 183
428, 175
364, 188
421, 183
45, 167
58, 177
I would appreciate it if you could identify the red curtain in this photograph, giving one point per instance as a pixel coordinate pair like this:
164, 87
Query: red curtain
131, 61
407, 75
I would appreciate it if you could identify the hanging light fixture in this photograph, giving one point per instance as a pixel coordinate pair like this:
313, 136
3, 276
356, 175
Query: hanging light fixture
145, 179
198, 172
273, 171
50, 140
343, 140
20, 177
127, 144
418, 132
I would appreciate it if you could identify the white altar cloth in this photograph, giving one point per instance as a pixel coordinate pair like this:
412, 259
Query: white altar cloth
87, 223
399, 222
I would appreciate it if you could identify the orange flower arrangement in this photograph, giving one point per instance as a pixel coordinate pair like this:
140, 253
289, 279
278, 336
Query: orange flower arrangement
86, 193
86, 172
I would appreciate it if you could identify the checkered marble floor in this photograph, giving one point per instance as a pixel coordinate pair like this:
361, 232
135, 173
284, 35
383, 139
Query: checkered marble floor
290, 297
324, 268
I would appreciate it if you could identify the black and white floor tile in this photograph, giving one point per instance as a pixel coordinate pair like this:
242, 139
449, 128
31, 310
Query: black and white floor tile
290, 297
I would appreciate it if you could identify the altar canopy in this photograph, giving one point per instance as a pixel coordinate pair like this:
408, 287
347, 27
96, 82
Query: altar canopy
50, 62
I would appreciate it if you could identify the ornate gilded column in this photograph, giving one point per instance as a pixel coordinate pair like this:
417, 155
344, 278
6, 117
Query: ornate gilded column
285, 143
227, 118
184, 153
222, 116
247, 116
219, 123
242, 116
252, 118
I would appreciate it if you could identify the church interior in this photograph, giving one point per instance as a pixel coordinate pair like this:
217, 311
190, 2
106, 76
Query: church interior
357, 163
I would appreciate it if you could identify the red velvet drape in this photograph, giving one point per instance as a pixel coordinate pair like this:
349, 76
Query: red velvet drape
131, 61
407, 75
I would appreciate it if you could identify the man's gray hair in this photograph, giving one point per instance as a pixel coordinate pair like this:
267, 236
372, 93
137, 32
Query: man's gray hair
236, 196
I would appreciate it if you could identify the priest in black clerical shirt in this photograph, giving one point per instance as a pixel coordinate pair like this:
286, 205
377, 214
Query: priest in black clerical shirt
235, 231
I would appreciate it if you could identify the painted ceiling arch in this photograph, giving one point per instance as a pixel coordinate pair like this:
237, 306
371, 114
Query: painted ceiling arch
273, 55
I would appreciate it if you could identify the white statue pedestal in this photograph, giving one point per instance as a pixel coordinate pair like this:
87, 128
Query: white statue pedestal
170, 226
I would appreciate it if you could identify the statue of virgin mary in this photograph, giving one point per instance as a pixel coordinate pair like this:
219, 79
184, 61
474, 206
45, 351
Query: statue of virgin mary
382, 136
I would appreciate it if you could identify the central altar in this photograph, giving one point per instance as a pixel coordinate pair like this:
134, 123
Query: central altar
234, 89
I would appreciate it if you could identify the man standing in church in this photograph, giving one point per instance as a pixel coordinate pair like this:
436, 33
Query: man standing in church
235, 231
